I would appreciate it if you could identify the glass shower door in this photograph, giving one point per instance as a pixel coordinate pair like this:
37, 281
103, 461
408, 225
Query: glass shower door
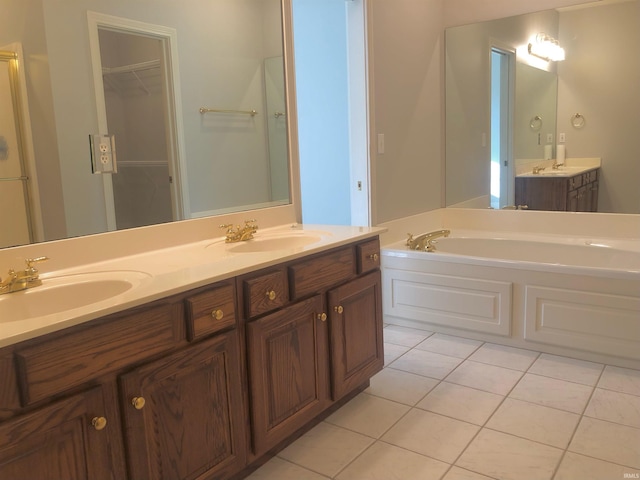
15, 223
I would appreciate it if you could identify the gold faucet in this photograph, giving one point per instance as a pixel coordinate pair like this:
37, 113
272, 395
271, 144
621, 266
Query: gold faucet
557, 165
537, 170
424, 241
240, 234
27, 278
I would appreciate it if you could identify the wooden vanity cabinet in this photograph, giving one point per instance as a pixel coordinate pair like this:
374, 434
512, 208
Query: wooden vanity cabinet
197, 385
183, 414
67, 439
568, 194
321, 346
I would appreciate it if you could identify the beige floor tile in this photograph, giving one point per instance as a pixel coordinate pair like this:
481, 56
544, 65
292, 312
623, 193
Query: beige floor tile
607, 441
448, 345
433, 435
574, 466
623, 380
279, 469
535, 422
506, 457
489, 378
565, 368
393, 352
502, 356
368, 415
551, 392
615, 407
387, 462
457, 473
399, 386
407, 337
460, 402
427, 364
326, 449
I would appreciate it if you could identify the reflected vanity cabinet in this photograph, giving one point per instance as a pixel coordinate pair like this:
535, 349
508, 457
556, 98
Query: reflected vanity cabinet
196, 385
578, 193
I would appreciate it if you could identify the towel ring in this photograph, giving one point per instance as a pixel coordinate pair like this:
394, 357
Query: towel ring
536, 123
577, 120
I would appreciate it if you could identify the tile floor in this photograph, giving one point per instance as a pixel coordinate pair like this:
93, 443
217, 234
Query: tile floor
450, 408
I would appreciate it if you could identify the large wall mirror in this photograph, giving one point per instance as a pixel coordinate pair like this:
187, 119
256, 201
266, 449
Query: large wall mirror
598, 80
192, 94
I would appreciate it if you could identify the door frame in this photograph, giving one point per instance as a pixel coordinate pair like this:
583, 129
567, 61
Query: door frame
175, 131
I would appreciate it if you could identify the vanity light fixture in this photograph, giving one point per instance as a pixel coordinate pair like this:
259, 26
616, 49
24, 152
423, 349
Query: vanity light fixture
546, 47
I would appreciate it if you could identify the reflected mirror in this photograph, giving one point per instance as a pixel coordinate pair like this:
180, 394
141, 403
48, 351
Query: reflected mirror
586, 103
193, 97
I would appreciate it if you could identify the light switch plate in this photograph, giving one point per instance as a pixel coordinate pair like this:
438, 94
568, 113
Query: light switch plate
103, 153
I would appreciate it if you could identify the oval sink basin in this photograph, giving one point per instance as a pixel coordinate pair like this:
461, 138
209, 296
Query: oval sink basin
270, 242
67, 292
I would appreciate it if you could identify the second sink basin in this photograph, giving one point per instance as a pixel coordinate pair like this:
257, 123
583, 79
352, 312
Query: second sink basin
58, 294
274, 241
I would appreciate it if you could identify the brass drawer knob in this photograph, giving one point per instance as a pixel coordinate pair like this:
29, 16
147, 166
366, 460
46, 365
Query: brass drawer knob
138, 402
217, 314
271, 295
338, 309
374, 257
322, 316
99, 423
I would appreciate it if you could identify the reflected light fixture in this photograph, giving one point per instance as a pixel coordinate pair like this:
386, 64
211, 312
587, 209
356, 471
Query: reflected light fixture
546, 47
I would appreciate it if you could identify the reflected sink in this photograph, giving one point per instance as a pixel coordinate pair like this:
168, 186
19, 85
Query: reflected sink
270, 242
67, 292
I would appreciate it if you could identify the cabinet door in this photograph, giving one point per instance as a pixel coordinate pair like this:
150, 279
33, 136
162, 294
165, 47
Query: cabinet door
184, 414
59, 441
355, 316
287, 370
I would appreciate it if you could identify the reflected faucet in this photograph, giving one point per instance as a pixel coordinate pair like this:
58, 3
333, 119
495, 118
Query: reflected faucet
28, 278
424, 242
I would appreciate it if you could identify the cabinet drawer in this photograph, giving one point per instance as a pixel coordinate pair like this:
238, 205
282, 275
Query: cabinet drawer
322, 272
368, 255
211, 311
265, 293
71, 360
575, 182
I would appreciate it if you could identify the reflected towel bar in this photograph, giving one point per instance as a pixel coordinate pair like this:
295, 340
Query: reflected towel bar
204, 110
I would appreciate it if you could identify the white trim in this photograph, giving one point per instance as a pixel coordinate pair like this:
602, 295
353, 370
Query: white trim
178, 167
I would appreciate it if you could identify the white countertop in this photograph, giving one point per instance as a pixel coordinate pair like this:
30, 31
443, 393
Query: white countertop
560, 172
171, 271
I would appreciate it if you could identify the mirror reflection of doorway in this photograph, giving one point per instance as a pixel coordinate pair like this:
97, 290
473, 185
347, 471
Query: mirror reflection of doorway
501, 121
133, 79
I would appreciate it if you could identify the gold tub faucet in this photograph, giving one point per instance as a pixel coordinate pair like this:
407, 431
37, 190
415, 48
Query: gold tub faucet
27, 278
424, 241
240, 234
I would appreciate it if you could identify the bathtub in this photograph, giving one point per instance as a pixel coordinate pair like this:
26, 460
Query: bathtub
564, 295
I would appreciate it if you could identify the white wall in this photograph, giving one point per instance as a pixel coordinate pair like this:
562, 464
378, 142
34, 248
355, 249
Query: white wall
405, 55
600, 79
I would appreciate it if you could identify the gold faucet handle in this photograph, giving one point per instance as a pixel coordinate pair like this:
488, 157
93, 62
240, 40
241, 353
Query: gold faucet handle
409, 239
31, 261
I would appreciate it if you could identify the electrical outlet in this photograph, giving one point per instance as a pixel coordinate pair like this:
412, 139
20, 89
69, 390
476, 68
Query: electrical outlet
103, 153
562, 138
549, 137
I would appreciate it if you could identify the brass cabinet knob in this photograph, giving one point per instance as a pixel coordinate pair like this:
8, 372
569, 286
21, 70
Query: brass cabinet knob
217, 314
138, 402
338, 309
374, 257
271, 294
322, 316
99, 423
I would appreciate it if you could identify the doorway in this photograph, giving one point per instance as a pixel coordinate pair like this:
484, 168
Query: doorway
137, 103
501, 120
